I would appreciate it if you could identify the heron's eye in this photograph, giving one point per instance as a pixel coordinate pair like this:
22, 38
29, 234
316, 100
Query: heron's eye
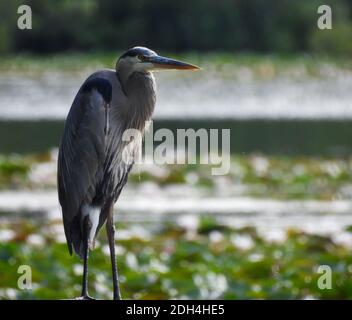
141, 57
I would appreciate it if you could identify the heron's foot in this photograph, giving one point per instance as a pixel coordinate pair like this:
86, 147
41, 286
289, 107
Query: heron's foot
86, 297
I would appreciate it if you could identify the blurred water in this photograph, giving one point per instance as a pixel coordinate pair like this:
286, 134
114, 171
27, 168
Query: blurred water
271, 217
289, 137
194, 95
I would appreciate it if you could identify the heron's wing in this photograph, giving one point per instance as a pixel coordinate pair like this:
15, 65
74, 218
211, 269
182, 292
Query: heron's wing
82, 152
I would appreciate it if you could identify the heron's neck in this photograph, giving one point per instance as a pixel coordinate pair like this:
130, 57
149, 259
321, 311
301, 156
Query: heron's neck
140, 90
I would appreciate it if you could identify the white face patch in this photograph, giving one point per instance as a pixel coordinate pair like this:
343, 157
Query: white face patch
144, 66
135, 64
93, 213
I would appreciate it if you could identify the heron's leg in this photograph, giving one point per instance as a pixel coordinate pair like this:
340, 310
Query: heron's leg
110, 230
86, 230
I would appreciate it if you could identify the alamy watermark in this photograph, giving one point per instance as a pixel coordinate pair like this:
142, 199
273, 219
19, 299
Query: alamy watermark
24, 281
25, 19
185, 146
325, 280
325, 20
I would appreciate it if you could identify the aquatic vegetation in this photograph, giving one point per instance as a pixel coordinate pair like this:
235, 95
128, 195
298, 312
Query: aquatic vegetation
186, 258
212, 262
15, 169
255, 175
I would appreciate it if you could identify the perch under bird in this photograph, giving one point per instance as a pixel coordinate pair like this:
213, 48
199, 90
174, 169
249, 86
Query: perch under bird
91, 168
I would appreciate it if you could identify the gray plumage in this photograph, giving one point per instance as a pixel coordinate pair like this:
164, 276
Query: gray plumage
91, 167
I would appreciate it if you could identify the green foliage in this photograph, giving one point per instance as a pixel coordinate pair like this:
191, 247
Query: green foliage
208, 224
336, 42
13, 171
260, 176
270, 26
171, 263
225, 64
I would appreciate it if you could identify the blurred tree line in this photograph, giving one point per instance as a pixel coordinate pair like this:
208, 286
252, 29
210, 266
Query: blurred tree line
249, 25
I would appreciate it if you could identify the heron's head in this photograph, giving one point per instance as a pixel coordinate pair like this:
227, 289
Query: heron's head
141, 59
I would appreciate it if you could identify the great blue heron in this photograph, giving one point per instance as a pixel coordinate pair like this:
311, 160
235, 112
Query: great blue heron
91, 169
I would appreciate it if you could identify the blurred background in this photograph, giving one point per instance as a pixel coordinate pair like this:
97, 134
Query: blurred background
280, 84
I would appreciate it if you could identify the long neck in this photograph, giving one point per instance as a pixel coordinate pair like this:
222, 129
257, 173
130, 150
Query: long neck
140, 89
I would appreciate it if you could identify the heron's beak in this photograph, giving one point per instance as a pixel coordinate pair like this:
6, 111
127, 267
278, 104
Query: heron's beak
166, 63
